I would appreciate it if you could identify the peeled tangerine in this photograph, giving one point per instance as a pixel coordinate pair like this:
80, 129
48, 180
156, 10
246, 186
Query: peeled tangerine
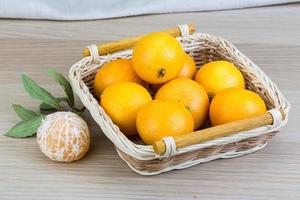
63, 136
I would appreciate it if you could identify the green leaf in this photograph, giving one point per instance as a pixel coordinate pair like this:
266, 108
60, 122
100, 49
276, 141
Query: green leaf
45, 106
25, 128
37, 92
24, 113
58, 77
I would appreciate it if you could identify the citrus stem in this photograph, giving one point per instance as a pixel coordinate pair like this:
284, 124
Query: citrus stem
161, 73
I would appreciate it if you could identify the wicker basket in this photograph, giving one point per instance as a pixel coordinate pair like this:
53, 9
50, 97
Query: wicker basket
203, 48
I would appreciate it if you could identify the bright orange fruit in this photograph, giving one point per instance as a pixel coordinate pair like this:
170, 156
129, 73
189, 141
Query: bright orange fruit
187, 71
115, 71
190, 93
189, 67
235, 104
122, 102
157, 57
219, 75
161, 118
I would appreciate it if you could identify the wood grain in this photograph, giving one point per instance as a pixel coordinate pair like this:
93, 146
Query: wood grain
222, 130
268, 35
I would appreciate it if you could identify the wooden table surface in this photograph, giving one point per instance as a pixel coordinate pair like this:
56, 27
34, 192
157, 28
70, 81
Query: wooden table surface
270, 36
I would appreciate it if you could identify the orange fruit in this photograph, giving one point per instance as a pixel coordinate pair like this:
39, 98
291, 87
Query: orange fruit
161, 118
190, 93
63, 137
115, 71
235, 104
157, 57
219, 75
122, 102
188, 71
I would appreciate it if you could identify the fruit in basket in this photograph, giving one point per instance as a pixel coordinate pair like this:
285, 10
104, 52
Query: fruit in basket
63, 136
122, 102
157, 57
161, 118
187, 71
219, 75
235, 104
115, 71
190, 93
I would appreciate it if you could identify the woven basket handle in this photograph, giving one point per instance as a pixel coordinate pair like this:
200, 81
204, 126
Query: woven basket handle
128, 43
273, 117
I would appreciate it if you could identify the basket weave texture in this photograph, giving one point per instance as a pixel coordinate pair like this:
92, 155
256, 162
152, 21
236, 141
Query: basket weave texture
203, 48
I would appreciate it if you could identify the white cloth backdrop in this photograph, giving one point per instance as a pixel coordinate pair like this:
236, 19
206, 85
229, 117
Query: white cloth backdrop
101, 9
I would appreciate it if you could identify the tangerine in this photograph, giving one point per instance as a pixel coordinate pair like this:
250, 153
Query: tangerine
122, 102
190, 93
161, 118
187, 71
235, 104
115, 71
219, 75
157, 57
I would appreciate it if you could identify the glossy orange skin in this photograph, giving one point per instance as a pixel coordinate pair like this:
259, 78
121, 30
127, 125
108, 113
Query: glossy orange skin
160, 118
191, 94
219, 75
187, 71
115, 71
122, 102
189, 68
235, 104
157, 57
